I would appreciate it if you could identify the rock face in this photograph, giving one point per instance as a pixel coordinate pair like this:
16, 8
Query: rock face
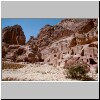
70, 41
13, 35
14, 48
28, 54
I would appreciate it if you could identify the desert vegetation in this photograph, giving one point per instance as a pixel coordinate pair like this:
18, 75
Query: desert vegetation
79, 71
67, 51
11, 65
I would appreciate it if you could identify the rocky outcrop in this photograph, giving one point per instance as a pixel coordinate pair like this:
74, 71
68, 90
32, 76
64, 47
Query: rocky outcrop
27, 54
32, 41
73, 40
50, 34
4, 49
70, 41
13, 35
17, 53
14, 48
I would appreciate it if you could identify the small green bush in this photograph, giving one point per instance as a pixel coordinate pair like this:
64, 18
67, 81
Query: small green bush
78, 72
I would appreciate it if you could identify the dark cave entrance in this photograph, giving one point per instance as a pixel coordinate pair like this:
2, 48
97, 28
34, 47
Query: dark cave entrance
92, 61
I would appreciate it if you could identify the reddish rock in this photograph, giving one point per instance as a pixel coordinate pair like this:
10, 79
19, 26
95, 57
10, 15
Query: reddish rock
70, 41
14, 46
20, 51
93, 45
73, 42
31, 54
71, 61
13, 35
87, 27
4, 49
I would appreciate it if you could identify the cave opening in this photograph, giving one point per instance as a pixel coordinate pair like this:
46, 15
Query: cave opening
82, 54
55, 55
87, 60
92, 61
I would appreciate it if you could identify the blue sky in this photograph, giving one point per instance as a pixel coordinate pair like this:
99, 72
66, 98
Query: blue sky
31, 26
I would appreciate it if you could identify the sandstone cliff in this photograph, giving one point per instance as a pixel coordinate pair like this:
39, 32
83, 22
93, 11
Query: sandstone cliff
70, 41
13, 35
14, 47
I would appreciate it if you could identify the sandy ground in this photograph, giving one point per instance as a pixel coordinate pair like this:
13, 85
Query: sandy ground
35, 72
39, 72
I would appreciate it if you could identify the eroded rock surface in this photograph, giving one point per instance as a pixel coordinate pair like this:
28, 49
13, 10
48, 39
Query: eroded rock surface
14, 48
70, 41
13, 35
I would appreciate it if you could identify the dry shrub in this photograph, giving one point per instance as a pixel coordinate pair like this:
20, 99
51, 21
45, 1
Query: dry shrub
11, 65
10, 79
14, 79
79, 72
